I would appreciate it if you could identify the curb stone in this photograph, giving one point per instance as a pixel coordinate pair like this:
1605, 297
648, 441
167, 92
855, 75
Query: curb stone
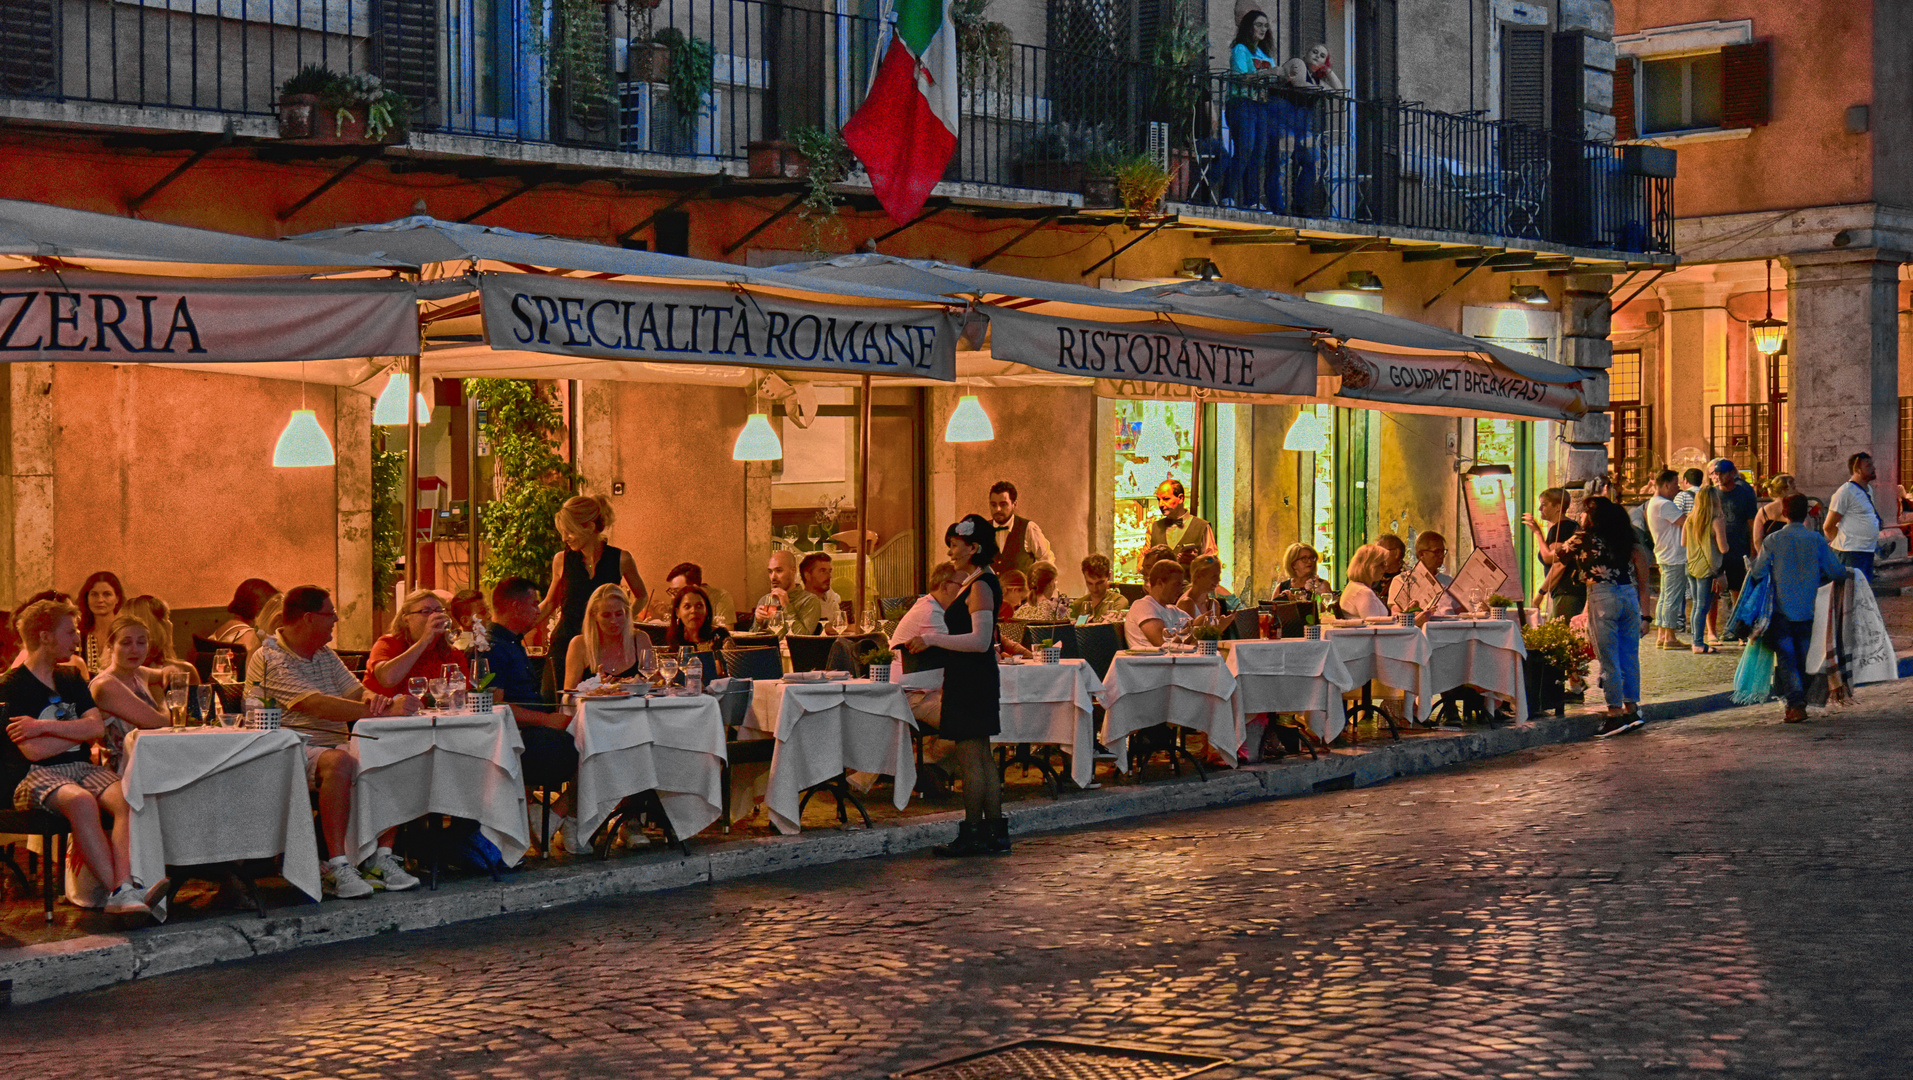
41, 972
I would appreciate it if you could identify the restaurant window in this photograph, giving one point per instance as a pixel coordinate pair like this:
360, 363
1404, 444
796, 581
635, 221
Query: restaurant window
1157, 441
814, 487
1906, 440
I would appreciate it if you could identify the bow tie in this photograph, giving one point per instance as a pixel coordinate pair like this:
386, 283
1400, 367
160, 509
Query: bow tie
1003, 528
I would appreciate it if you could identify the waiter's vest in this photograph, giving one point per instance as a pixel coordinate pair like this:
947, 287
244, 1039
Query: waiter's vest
1196, 535
1012, 556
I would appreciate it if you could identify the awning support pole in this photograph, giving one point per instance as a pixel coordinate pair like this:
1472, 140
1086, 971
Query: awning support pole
411, 475
1356, 250
863, 495
348, 170
1112, 255
471, 478
764, 224
1648, 284
940, 207
1017, 239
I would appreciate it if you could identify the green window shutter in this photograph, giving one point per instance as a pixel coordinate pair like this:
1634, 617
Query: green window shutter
1524, 75
405, 54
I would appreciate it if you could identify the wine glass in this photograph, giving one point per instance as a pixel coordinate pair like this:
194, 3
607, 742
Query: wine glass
436, 687
812, 535
648, 664
222, 665
480, 669
836, 624
668, 667
416, 687
868, 624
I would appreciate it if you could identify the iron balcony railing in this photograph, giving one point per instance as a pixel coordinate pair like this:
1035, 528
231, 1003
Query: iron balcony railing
703, 79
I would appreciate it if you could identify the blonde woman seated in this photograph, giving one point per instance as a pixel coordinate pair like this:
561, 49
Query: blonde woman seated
1358, 599
121, 691
1303, 583
608, 647
1206, 595
161, 658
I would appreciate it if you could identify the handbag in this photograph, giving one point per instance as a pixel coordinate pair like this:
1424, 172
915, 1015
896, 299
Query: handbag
1754, 610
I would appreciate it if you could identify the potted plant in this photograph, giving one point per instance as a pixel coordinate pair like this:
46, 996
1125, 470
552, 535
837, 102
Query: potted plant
648, 59
480, 698
827, 160
1181, 60
986, 50
689, 76
1140, 185
321, 106
576, 55
1498, 605
880, 662
1555, 654
1056, 156
1051, 651
1207, 638
299, 101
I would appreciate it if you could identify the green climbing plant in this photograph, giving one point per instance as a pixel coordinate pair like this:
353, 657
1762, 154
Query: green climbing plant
525, 426
828, 161
388, 518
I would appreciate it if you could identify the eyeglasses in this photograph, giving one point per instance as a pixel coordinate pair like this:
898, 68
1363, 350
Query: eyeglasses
427, 611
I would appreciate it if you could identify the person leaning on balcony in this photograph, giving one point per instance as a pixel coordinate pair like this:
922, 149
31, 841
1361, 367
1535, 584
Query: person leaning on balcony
1248, 111
1304, 80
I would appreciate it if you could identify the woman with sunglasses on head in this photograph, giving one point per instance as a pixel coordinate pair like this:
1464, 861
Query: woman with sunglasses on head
971, 689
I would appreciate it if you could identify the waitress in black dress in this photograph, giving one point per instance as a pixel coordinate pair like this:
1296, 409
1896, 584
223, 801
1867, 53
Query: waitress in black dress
971, 689
586, 564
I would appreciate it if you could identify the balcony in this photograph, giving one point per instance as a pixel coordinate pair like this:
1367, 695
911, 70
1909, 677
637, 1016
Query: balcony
687, 86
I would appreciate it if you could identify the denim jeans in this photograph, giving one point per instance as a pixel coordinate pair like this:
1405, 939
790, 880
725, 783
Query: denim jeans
1858, 560
1671, 612
1789, 640
1614, 622
1251, 130
1700, 591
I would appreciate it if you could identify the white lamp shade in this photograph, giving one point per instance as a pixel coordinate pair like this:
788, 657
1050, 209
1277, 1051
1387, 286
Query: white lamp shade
390, 409
1308, 435
758, 441
1156, 441
303, 444
969, 423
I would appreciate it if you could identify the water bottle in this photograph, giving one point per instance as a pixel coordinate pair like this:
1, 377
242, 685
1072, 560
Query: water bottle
694, 675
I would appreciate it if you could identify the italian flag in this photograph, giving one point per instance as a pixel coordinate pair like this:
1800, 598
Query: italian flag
905, 131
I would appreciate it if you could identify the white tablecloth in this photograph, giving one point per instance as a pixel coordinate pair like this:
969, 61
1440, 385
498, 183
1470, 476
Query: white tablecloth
1484, 653
824, 728
1293, 675
1052, 704
1395, 655
210, 795
462, 765
671, 745
1184, 689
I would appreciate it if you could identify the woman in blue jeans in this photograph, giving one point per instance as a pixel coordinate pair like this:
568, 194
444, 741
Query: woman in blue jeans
1252, 125
1603, 555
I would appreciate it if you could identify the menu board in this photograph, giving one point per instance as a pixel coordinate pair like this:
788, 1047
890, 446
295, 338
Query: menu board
1479, 578
1489, 521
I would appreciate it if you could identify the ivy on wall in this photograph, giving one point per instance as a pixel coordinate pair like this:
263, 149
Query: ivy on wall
388, 519
532, 481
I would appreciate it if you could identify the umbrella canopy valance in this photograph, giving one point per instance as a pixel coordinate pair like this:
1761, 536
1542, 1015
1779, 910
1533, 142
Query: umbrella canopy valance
38, 235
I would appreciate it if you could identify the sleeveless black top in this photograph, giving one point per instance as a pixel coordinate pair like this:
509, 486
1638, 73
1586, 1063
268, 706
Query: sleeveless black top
971, 689
580, 584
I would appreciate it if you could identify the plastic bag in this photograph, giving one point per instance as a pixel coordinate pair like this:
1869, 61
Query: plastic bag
1754, 676
1754, 610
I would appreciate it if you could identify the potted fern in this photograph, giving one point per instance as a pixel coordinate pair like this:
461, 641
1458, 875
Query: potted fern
1140, 185
1498, 606
321, 106
880, 662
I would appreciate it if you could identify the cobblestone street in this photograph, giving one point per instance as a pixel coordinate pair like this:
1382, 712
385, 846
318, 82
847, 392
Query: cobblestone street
1715, 896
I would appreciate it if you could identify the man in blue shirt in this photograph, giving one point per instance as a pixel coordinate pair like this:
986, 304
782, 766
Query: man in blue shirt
1799, 561
551, 757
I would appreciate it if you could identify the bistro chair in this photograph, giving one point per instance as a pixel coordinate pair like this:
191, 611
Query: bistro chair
894, 607
1099, 643
1131, 593
355, 659
809, 652
743, 640
1012, 630
203, 650
759, 663
655, 632
52, 829
1064, 634
852, 653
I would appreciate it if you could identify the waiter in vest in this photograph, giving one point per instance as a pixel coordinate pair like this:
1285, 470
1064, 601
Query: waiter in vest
1178, 530
1020, 542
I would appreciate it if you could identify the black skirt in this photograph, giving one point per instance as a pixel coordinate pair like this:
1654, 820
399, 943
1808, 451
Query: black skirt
971, 691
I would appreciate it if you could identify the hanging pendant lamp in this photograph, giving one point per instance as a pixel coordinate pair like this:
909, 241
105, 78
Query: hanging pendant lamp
303, 444
969, 423
1769, 332
1156, 440
758, 441
1307, 435
390, 410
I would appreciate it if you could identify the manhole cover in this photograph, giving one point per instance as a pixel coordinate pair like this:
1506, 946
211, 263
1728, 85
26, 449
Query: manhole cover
1065, 1059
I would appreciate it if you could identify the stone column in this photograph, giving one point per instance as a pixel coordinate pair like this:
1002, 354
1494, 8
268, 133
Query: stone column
27, 544
1844, 364
1693, 378
352, 479
1584, 345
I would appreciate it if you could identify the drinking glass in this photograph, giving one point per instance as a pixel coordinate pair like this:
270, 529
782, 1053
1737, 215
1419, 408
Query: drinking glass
480, 669
436, 687
836, 624
416, 687
668, 667
222, 665
203, 698
648, 664
455, 688
813, 534
869, 623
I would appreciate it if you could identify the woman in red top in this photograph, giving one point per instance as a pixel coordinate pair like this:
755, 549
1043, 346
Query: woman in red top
419, 646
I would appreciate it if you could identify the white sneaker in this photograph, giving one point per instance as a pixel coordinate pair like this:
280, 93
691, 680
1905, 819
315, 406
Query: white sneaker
575, 844
343, 880
632, 836
133, 898
384, 871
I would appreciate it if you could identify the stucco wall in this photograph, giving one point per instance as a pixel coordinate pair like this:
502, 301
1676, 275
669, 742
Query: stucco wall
165, 477
1044, 439
1822, 63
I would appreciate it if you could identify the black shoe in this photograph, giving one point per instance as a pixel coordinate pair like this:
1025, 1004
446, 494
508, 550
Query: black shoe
1633, 721
1104, 753
996, 835
1612, 725
969, 841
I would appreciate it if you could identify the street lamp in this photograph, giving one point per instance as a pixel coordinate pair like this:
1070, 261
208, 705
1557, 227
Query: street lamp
1769, 332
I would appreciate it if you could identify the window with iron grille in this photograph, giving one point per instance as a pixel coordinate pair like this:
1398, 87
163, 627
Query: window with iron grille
1631, 451
1624, 378
1743, 434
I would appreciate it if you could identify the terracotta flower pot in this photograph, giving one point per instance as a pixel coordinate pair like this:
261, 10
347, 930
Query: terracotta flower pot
298, 114
650, 63
775, 159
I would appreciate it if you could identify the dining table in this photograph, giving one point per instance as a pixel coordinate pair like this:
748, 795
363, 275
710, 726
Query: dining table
202, 795
1051, 704
1391, 654
1293, 675
1488, 654
1188, 690
458, 764
824, 727
673, 745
